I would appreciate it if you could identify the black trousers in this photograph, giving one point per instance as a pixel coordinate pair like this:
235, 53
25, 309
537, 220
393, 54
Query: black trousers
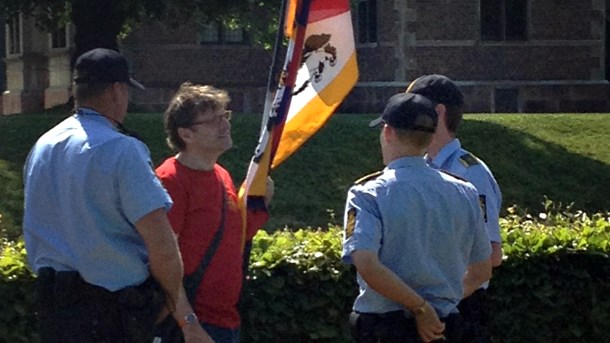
70, 310
475, 312
394, 327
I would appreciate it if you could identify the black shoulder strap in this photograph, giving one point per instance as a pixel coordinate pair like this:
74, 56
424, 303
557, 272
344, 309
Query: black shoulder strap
192, 281
444, 171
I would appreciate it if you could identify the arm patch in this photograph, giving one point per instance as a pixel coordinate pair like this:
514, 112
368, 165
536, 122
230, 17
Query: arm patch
350, 223
469, 160
483, 203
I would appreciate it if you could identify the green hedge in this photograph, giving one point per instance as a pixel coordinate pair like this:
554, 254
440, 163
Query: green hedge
297, 289
553, 285
17, 321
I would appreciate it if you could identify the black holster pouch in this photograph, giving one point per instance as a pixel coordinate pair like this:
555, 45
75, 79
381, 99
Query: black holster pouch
475, 313
454, 328
140, 307
168, 331
70, 307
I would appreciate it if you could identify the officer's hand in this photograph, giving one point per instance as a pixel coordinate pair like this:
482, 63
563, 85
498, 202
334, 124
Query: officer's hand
429, 326
194, 333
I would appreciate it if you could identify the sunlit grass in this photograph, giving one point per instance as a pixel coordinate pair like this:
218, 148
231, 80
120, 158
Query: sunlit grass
563, 156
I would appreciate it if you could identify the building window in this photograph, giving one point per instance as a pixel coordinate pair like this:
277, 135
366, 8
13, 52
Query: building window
504, 20
13, 35
367, 21
216, 33
59, 38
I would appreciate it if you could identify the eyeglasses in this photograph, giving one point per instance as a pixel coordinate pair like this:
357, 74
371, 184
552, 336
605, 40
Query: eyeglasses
226, 115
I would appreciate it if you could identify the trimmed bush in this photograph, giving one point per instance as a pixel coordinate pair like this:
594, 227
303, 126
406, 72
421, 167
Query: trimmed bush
17, 321
553, 285
297, 288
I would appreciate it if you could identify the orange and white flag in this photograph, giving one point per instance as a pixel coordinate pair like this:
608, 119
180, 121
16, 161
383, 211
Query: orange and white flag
319, 71
327, 73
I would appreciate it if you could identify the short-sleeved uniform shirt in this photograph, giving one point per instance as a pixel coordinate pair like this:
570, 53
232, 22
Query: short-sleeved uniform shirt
86, 185
426, 226
454, 159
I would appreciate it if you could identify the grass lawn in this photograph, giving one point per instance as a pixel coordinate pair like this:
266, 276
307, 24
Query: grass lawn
563, 156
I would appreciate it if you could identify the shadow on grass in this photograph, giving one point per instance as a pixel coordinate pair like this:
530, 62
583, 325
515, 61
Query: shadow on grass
312, 184
527, 168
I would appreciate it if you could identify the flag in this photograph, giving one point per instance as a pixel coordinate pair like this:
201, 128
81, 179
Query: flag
277, 101
327, 74
319, 71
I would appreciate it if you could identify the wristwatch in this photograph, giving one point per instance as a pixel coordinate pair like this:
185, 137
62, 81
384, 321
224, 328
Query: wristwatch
189, 318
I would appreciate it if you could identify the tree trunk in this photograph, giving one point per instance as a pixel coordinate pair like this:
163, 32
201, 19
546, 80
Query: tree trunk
98, 23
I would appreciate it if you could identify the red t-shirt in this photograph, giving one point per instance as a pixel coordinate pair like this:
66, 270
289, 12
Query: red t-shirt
195, 217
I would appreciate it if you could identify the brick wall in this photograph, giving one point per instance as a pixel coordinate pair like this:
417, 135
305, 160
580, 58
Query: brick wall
444, 19
497, 97
505, 62
563, 19
560, 67
563, 57
162, 57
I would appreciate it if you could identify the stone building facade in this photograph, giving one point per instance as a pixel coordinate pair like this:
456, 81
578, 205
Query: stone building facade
536, 56
162, 57
507, 56
37, 67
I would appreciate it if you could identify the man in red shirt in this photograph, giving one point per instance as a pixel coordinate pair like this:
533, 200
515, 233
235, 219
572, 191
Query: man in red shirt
205, 215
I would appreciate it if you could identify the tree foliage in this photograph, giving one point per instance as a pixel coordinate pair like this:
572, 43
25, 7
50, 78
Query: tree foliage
99, 22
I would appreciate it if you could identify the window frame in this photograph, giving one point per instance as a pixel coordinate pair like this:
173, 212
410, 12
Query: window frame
509, 29
66, 39
222, 32
14, 38
367, 32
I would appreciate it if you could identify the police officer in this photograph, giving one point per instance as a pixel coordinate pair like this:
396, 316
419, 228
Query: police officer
446, 153
95, 223
412, 232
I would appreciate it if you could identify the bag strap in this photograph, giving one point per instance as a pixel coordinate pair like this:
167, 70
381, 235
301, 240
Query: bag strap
194, 280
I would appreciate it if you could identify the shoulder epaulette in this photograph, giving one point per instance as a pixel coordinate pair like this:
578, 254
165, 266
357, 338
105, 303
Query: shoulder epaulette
469, 160
368, 177
454, 175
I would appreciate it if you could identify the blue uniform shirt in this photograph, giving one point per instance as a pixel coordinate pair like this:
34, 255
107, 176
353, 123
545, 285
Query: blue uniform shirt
86, 185
426, 226
462, 163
